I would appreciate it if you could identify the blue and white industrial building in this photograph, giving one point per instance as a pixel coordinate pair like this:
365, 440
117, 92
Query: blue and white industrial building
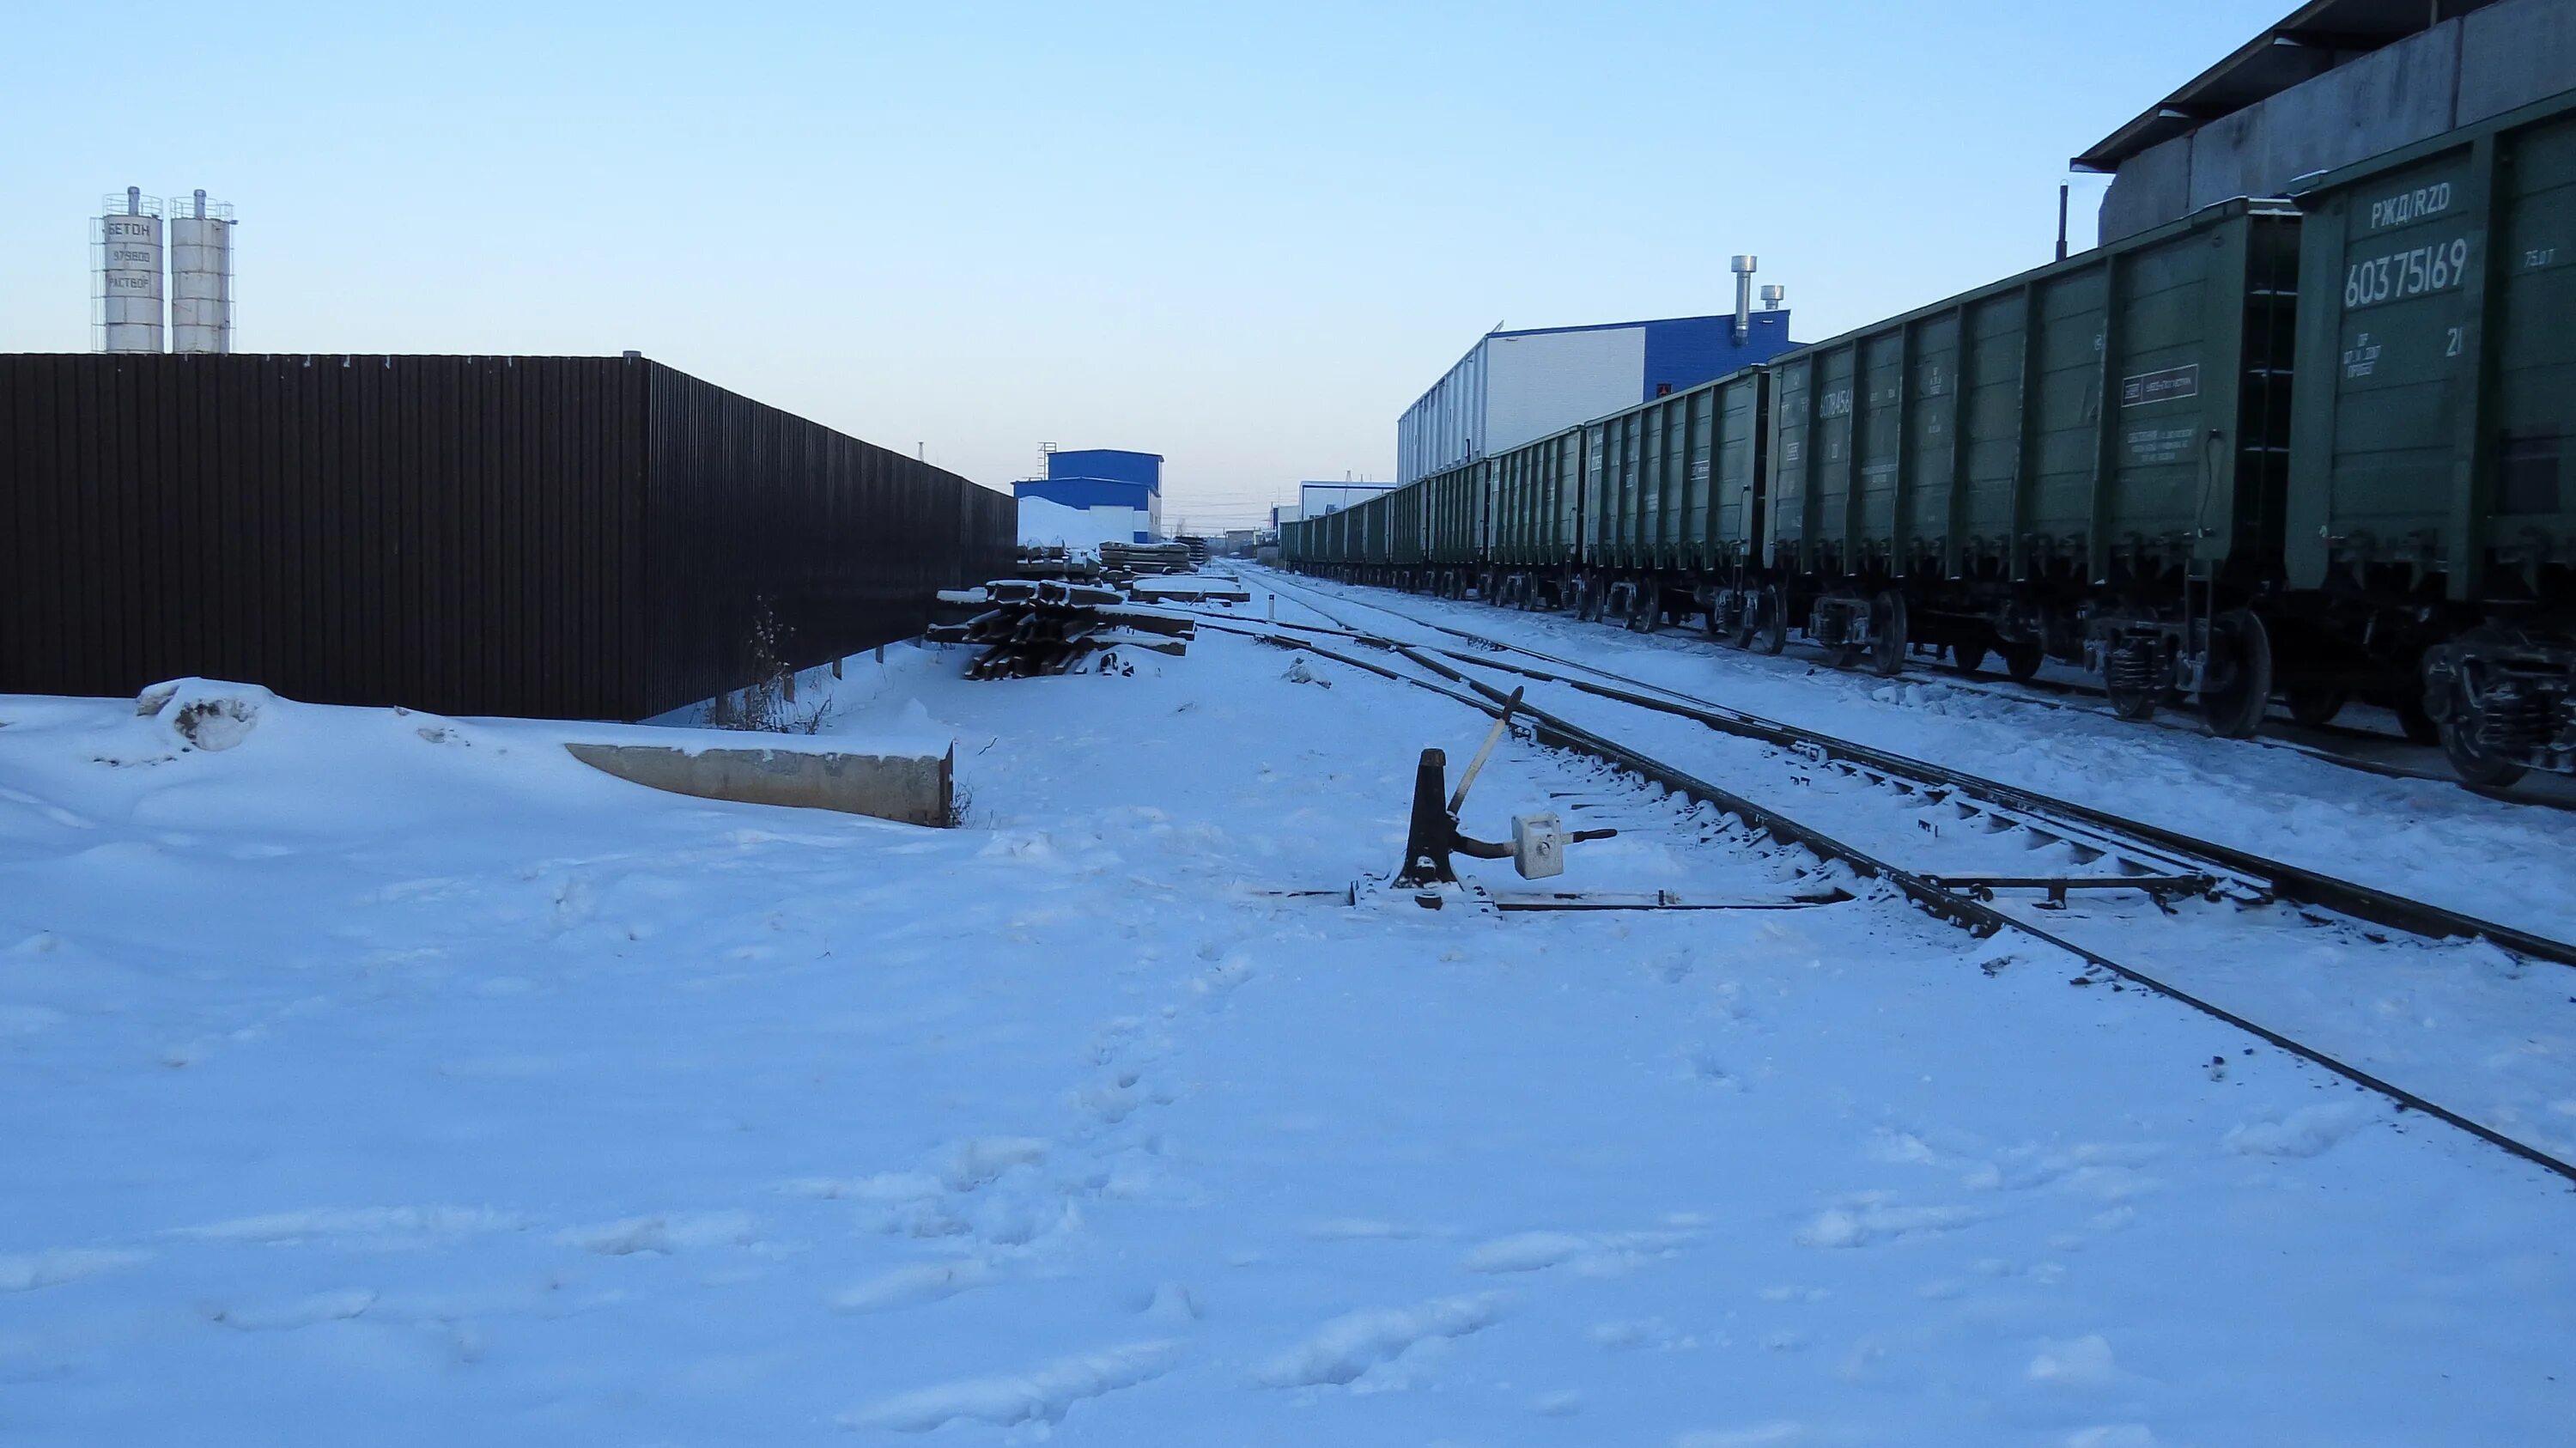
1090, 496
1514, 386
1314, 500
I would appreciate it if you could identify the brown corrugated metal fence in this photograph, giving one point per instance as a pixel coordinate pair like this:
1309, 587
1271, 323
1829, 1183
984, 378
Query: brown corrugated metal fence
568, 536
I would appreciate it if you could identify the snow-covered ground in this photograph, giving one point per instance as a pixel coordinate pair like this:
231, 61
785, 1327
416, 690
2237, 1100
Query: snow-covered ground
2495, 859
393, 1079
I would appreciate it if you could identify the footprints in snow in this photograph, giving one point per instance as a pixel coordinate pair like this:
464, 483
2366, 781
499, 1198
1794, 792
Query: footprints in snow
54, 1267
1349, 1345
912, 1286
1042, 1394
1595, 1254
663, 1234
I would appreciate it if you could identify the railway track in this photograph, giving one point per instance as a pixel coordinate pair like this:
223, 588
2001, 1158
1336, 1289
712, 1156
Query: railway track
1989, 857
2380, 753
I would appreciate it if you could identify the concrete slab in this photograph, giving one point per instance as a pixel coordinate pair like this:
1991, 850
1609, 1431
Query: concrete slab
909, 788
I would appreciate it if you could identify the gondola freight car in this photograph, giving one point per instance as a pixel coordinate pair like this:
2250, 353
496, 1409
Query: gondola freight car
2312, 449
2087, 458
2432, 501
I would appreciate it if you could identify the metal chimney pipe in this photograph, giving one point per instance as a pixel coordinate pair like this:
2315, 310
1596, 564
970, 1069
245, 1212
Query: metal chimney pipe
1744, 266
134, 201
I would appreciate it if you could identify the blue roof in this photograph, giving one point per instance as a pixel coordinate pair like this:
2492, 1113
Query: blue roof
1727, 317
1681, 351
1108, 464
1086, 492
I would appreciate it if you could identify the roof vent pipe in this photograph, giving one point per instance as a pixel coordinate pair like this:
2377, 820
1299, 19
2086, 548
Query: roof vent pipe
1743, 299
1773, 295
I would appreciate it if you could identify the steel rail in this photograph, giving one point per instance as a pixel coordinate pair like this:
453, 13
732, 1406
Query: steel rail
1977, 917
2032, 694
2295, 883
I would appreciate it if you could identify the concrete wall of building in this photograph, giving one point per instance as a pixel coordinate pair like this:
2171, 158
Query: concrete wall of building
2153, 187
1048, 523
2512, 55
1541, 382
1443, 423
2459, 71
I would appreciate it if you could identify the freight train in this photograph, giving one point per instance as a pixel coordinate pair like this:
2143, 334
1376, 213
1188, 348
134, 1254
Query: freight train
2313, 448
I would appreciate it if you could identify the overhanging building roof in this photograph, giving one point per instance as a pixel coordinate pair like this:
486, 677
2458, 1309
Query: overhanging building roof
2317, 37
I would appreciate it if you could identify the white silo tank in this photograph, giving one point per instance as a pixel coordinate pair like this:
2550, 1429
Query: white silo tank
129, 272
201, 276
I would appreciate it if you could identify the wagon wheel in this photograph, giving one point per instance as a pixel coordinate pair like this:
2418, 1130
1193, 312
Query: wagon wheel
2477, 763
2022, 658
1967, 658
1770, 629
2237, 686
2315, 708
1887, 650
2473, 762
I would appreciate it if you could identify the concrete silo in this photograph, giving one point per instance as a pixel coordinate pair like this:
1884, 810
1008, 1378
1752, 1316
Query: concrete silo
201, 276
128, 245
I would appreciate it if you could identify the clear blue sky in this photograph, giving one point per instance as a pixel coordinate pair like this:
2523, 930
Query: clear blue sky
1243, 238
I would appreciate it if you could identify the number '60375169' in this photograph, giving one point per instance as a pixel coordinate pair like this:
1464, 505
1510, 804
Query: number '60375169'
2408, 273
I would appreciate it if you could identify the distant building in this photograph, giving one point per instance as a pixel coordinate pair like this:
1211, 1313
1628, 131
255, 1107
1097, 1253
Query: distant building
1314, 500
2337, 81
1092, 496
1284, 513
1512, 387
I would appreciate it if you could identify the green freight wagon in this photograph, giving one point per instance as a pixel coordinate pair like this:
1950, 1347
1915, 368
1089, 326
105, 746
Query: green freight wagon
1644, 512
1404, 516
1692, 521
1536, 492
1368, 528
1333, 543
2432, 507
1457, 507
2085, 461
1664, 475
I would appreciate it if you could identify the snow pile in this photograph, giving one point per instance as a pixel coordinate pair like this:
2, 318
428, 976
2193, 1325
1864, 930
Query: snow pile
390, 1079
199, 714
2308, 1131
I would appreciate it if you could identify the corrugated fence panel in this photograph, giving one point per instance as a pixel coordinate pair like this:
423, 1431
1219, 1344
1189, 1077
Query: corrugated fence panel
575, 537
842, 541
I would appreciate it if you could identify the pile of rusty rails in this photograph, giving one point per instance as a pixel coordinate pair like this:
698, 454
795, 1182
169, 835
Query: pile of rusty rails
1058, 561
1030, 627
1145, 558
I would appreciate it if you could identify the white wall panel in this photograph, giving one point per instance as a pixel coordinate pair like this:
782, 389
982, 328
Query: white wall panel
1549, 381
